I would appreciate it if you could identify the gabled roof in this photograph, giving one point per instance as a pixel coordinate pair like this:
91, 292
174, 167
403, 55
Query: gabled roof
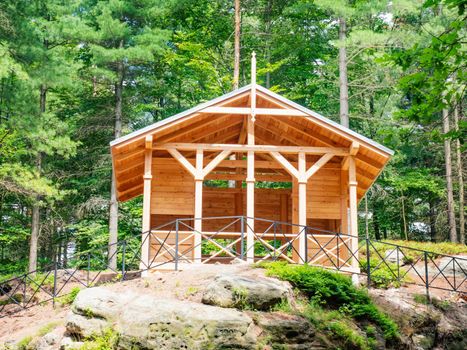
148, 129
307, 129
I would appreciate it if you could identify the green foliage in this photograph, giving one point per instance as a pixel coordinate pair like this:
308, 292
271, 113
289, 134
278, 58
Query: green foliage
402, 56
334, 291
108, 340
23, 343
69, 298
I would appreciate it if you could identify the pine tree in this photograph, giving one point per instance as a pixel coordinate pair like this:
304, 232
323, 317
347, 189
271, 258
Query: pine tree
121, 35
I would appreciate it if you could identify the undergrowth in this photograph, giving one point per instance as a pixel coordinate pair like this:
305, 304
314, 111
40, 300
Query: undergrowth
106, 341
334, 304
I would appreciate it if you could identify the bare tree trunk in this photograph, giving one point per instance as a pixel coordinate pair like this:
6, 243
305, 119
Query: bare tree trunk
404, 221
113, 212
367, 233
237, 45
267, 21
450, 195
460, 179
36, 210
343, 82
432, 221
376, 224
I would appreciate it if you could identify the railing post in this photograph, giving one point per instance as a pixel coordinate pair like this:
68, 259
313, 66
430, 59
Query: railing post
55, 283
368, 265
123, 259
398, 265
89, 268
24, 290
454, 272
337, 250
176, 245
427, 283
274, 245
305, 231
242, 237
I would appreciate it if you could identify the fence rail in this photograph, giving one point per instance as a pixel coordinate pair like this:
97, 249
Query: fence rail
173, 245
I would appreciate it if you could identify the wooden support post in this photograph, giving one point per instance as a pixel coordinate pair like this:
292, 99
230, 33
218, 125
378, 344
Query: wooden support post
295, 221
353, 211
198, 224
146, 222
302, 181
250, 179
344, 207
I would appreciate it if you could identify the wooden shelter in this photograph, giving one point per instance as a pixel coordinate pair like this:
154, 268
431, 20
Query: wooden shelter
250, 136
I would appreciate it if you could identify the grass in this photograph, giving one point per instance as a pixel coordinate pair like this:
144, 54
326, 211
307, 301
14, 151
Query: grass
69, 298
23, 343
47, 328
335, 305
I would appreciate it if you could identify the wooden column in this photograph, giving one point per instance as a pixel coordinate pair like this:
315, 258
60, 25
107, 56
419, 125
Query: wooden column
353, 213
295, 221
250, 194
250, 178
344, 224
146, 222
198, 224
302, 182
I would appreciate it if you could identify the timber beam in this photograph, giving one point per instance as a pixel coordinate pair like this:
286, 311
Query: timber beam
258, 111
250, 147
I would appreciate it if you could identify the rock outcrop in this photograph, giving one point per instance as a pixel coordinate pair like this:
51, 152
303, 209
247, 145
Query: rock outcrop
243, 292
145, 322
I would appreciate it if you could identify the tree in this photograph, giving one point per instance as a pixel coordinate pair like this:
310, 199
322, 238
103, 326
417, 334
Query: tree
236, 74
121, 35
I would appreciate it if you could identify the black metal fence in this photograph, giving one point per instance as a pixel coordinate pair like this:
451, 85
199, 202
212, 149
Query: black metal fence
229, 239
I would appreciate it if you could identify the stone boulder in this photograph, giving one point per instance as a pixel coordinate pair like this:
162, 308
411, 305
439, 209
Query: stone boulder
144, 321
245, 293
289, 331
448, 267
391, 256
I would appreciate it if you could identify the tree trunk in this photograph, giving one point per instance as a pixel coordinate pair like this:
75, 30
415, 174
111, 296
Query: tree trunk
460, 179
367, 233
113, 212
432, 221
237, 45
343, 83
36, 211
404, 221
450, 195
267, 22
376, 224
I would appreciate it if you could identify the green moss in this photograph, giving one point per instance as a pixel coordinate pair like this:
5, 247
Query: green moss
240, 296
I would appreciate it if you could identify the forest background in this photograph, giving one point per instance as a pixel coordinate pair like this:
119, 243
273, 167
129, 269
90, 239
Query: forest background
76, 74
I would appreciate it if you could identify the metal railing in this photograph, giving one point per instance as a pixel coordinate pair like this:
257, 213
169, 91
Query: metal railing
177, 244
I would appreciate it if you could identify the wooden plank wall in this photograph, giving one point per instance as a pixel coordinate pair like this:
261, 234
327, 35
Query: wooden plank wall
172, 190
173, 197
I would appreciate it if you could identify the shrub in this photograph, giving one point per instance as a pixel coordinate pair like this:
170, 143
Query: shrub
335, 291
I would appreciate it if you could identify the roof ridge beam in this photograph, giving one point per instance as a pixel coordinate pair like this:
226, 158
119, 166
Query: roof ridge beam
257, 111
